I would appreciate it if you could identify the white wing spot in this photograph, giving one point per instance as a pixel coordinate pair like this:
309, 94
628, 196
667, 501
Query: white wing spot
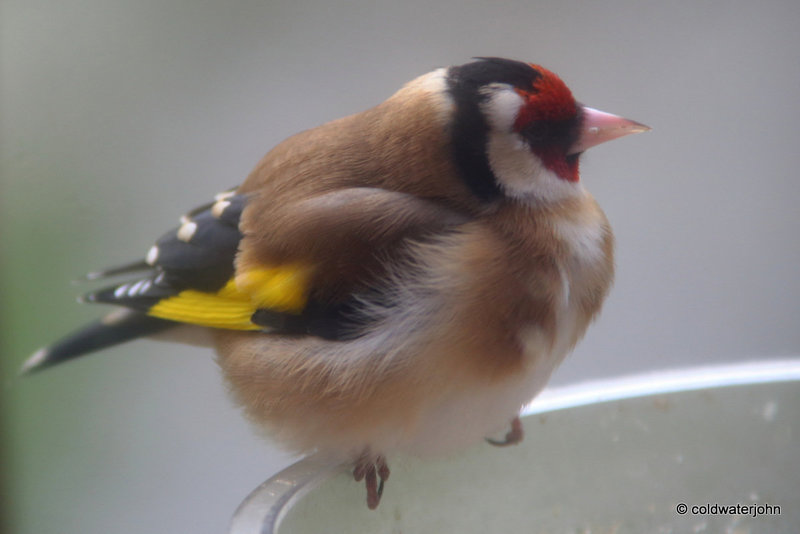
186, 231
34, 361
136, 288
219, 208
121, 290
224, 195
152, 255
115, 317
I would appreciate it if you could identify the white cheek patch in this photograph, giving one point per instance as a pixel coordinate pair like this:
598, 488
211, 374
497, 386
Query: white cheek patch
521, 174
513, 164
518, 171
501, 106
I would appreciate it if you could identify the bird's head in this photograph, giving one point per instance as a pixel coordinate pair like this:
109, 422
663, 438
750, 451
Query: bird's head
518, 132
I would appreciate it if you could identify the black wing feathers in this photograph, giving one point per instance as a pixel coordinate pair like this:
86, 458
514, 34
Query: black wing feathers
197, 255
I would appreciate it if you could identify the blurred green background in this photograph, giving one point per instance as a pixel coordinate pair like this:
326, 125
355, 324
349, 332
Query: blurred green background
118, 116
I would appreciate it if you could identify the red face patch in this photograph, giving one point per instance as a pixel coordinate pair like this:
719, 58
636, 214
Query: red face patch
564, 168
549, 99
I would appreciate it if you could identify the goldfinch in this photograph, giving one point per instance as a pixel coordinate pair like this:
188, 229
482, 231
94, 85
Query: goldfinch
400, 280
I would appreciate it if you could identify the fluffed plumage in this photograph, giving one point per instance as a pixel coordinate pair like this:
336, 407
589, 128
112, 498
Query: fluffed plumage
402, 279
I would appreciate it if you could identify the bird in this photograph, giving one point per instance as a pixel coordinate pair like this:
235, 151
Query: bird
398, 281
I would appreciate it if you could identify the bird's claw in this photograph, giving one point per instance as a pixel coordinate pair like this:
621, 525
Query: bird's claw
514, 436
374, 471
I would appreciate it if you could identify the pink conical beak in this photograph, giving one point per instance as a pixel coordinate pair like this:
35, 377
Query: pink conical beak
599, 127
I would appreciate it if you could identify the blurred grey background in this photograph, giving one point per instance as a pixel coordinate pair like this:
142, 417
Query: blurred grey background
119, 116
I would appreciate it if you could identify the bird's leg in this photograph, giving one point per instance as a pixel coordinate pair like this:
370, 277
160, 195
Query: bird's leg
374, 471
514, 436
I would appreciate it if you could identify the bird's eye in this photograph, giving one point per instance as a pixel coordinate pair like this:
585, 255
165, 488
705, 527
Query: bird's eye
540, 133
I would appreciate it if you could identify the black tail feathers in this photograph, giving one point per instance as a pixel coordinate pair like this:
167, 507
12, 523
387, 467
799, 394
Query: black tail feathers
117, 327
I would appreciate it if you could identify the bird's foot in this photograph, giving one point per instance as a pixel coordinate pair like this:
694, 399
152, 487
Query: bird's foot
374, 471
514, 436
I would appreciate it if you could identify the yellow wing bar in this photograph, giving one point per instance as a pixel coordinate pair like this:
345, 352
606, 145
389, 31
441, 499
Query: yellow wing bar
283, 289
